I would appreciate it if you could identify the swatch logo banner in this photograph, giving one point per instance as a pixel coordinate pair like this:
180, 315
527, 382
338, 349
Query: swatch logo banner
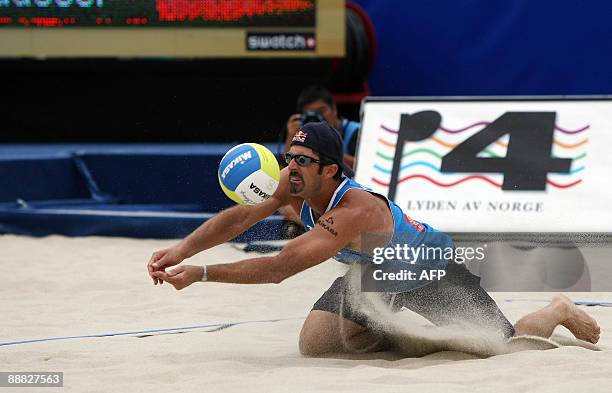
281, 42
496, 157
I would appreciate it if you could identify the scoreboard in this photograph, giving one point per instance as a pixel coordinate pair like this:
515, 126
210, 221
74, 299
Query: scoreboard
65, 13
171, 28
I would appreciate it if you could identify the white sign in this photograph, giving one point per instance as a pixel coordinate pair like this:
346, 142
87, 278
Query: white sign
492, 165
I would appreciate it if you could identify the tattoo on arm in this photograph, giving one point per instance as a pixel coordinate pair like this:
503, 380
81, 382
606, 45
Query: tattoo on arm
327, 224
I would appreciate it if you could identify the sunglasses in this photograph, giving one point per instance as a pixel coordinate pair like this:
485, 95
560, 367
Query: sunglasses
300, 159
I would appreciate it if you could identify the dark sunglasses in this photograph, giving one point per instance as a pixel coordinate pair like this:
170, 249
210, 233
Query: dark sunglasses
300, 159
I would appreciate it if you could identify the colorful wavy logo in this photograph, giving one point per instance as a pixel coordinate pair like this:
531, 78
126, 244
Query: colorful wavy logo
426, 156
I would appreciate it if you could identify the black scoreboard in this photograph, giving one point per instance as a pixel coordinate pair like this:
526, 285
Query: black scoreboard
174, 28
168, 13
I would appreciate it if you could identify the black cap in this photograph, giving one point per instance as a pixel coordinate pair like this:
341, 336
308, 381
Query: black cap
325, 140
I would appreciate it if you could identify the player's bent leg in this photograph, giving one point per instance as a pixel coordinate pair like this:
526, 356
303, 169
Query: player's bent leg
456, 300
324, 332
560, 311
333, 326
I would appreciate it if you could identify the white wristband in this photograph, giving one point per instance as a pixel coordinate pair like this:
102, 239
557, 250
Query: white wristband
204, 275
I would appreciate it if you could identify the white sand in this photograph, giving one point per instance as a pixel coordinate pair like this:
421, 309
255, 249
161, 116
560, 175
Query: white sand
56, 286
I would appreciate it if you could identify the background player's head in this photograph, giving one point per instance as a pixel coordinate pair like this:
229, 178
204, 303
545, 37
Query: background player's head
319, 99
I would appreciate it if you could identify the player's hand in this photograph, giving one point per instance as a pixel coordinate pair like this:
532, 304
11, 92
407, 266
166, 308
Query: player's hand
162, 259
292, 125
181, 276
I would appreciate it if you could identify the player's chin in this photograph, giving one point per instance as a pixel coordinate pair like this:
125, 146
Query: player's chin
296, 188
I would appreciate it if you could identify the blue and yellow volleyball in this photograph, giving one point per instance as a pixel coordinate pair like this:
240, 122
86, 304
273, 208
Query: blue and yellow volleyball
249, 173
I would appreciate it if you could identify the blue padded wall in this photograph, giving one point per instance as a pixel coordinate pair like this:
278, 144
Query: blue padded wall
480, 47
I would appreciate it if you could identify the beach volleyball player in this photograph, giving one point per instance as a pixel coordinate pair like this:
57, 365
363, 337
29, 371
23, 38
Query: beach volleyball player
337, 211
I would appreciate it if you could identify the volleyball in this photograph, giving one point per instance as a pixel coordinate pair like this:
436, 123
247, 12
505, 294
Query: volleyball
249, 173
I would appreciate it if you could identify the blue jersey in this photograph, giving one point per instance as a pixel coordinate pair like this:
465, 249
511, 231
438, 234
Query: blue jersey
406, 231
348, 130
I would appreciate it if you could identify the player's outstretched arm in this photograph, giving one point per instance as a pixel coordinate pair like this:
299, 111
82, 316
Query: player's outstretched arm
223, 227
333, 231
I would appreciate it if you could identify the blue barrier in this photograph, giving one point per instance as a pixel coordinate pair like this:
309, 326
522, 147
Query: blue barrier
144, 191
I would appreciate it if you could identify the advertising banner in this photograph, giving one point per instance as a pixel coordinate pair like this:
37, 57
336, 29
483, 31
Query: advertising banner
492, 165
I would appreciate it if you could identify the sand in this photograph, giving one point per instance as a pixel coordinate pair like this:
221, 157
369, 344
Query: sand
58, 287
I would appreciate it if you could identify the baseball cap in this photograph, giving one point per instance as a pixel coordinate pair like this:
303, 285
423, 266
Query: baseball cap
325, 140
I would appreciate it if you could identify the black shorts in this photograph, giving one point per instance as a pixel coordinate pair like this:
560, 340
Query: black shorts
457, 298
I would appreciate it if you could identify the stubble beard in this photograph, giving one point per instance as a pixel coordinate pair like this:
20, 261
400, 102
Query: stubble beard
293, 188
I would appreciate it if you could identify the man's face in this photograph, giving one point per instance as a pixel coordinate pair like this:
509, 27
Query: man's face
329, 114
304, 180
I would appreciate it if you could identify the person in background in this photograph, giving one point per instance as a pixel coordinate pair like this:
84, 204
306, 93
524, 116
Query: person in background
316, 103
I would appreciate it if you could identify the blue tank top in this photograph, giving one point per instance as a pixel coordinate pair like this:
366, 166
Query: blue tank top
406, 231
348, 129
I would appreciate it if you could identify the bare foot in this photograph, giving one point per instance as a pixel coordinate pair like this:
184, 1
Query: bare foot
582, 326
